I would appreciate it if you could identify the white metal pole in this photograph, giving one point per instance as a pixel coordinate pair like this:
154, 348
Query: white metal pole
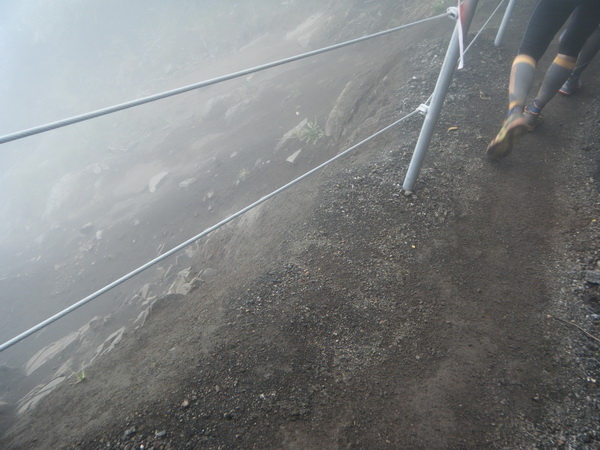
433, 112
504, 24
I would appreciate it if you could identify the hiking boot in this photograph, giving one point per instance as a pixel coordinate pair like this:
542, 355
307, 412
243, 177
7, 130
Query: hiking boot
513, 128
533, 120
571, 86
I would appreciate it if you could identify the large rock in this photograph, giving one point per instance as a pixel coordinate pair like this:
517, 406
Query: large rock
156, 180
184, 283
343, 108
292, 134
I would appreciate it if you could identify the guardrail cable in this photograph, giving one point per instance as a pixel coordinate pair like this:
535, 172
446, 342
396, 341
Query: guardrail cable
483, 26
474, 39
152, 98
190, 241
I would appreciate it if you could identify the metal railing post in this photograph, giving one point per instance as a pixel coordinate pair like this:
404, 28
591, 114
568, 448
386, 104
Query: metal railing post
432, 112
505, 20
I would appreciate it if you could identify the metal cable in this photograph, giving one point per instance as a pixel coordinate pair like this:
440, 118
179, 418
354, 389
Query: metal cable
156, 260
474, 39
484, 25
181, 90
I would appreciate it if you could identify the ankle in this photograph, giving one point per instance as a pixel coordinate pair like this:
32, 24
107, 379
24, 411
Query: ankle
533, 108
515, 110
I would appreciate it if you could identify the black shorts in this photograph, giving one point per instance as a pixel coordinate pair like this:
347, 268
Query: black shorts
547, 19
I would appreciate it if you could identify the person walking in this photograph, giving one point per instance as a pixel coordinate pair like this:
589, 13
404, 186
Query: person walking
547, 19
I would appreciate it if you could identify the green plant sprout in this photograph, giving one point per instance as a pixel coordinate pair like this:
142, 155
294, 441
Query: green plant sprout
80, 376
311, 133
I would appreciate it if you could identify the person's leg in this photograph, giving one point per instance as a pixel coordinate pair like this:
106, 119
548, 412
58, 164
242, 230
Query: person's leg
547, 18
586, 55
557, 74
584, 22
521, 78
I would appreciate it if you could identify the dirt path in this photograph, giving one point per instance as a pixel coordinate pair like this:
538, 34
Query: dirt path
375, 320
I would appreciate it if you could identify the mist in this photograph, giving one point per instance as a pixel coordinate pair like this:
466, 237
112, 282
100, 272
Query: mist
86, 204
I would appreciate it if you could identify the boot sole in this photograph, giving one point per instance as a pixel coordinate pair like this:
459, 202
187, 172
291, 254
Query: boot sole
502, 146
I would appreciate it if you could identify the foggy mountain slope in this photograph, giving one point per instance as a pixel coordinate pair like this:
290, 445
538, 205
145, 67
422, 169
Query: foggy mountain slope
83, 209
62, 175
343, 314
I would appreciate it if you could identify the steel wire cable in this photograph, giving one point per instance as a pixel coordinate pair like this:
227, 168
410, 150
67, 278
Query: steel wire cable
483, 26
141, 101
474, 39
190, 241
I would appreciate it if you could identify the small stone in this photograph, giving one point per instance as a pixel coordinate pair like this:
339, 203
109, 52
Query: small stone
592, 276
187, 183
128, 432
87, 228
185, 404
156, 180
160, 434
292, 158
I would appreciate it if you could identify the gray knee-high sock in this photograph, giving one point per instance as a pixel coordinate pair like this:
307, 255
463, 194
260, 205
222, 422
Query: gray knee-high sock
558, 72
521, 79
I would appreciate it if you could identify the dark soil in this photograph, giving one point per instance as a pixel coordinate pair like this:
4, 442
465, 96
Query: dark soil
347, 314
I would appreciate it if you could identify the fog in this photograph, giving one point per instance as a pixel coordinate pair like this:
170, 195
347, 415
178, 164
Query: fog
83, 205
67, 58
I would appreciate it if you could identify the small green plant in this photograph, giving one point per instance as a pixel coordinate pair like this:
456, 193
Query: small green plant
311, 133
80, 376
